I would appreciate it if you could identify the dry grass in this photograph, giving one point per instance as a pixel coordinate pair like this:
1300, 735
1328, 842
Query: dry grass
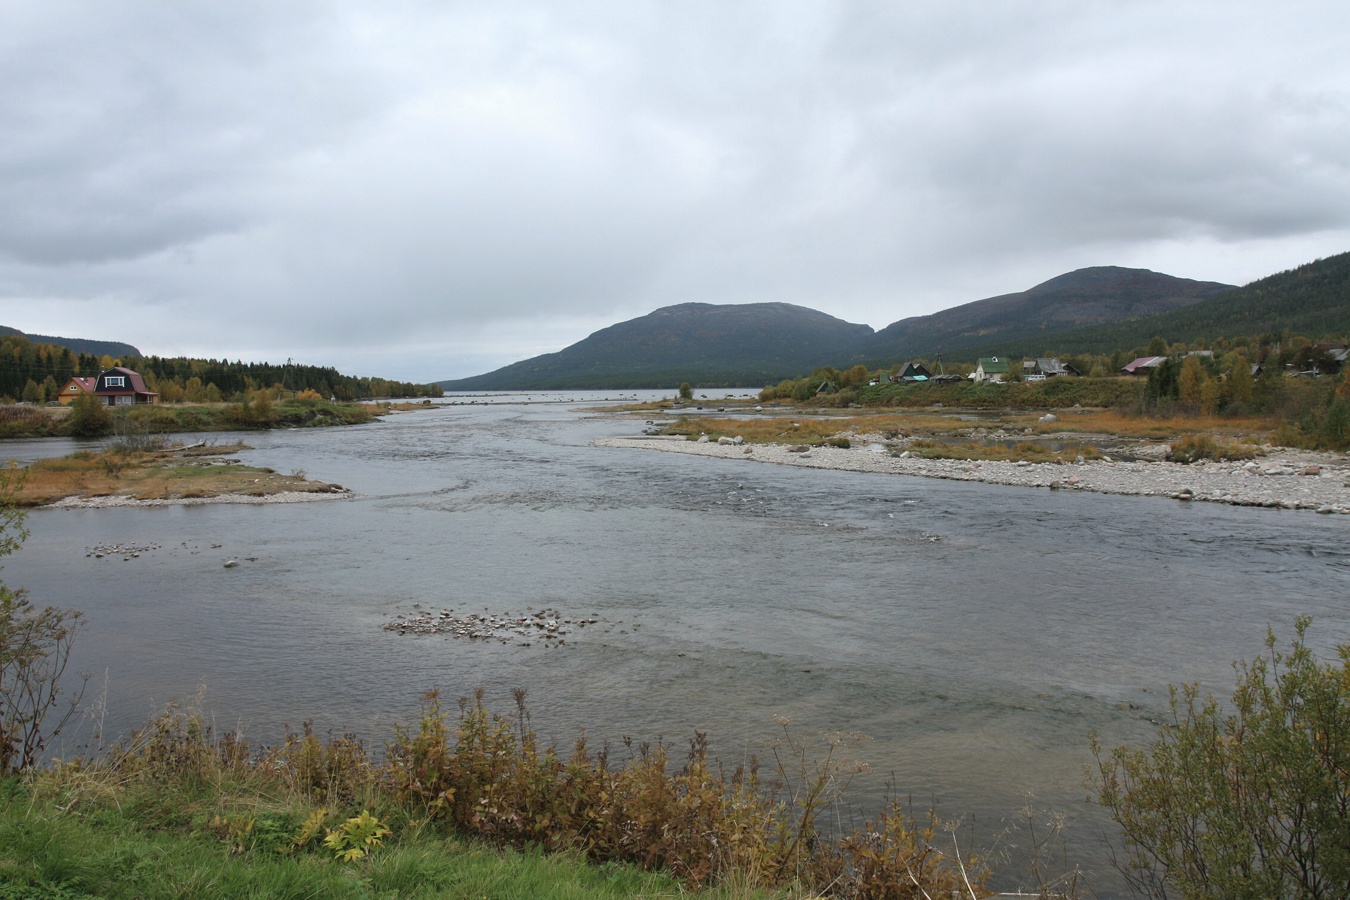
814, 427
1110, 422
1025, 450
185, 473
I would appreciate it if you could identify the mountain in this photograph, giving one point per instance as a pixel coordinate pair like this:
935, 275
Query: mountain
1025, 319
1312, 300
79, 345
1094, 310
737, 345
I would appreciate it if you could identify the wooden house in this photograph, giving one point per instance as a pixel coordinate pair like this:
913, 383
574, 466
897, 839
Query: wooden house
990, 370
912, 371
1046, 367
122, 387
75, 387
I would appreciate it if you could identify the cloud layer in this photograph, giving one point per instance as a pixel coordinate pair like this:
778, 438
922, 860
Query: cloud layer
425, 191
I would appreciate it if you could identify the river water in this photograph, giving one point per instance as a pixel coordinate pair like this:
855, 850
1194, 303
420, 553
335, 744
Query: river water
975, 634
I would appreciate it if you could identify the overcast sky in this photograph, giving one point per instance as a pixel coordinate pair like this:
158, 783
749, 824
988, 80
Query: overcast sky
432, 190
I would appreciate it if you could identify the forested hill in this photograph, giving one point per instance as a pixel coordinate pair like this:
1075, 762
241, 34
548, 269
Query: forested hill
1081, 298
1105, 309
739, 345
35, 372
1312, 300
78, 345
756, 344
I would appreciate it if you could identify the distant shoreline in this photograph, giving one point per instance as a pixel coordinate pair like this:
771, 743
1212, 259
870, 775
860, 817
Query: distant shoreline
1283, 479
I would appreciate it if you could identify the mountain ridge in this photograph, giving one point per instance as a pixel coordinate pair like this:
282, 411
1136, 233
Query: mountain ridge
1077, 299
736, 345
1312, 299
78, 345
713, 345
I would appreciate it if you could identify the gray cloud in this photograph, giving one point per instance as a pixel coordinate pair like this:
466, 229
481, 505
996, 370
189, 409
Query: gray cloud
429, 190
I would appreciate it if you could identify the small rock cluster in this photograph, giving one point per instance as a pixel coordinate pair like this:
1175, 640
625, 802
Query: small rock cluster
546, 626
126, 551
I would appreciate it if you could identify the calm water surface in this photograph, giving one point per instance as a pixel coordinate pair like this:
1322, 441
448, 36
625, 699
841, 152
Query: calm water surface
974, 633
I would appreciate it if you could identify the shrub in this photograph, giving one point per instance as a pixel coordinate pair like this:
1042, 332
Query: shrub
89, 417
1196, 447
1252, 803
487, 776
35, 647
132, 433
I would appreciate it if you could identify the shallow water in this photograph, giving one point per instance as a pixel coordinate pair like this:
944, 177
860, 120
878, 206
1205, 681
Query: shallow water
975, 633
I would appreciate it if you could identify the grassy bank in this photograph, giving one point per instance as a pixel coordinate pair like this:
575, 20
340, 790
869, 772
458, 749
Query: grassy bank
178, 811
136, 850
58, 421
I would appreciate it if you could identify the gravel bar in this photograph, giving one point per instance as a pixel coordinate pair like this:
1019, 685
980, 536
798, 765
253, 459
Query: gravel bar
1282, 479
120, 500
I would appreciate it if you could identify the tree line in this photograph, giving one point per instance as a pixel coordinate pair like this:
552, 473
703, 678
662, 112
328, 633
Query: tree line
36, 373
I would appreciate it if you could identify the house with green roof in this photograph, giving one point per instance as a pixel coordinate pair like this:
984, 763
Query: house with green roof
990, 370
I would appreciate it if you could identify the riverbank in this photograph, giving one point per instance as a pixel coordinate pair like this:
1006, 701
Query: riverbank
1282, 478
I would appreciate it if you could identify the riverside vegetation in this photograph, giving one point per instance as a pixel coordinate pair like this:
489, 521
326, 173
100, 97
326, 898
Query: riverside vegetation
1008, 435
257, 410
35, 372
1309, 413
1201, 416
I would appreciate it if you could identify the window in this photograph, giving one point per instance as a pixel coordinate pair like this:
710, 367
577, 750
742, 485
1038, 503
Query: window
115, 381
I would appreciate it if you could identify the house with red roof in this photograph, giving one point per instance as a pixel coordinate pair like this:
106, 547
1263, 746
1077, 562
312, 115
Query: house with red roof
1143, 364
120, 386
77, 385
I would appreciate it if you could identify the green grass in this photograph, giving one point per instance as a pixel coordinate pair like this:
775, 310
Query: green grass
102, 850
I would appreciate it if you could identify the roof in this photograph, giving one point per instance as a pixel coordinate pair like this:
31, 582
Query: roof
917, 368
1048, 366
1144, 362
84, 382
993, 364
134, 380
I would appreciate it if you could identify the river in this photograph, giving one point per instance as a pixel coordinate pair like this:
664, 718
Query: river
975, 634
